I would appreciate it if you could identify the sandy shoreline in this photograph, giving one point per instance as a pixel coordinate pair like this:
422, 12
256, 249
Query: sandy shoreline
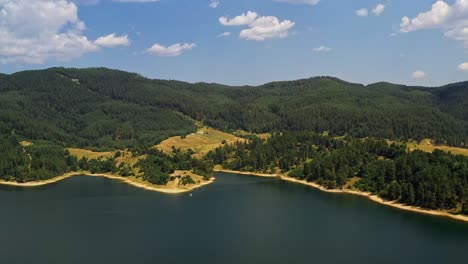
266, 175
128, 180
370, 196
40, 183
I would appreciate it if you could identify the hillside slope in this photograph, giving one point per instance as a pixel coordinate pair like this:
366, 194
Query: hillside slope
114, 109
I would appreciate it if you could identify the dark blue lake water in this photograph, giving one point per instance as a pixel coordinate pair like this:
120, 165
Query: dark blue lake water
238, 219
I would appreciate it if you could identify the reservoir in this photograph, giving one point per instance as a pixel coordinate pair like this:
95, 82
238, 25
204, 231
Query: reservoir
237, 219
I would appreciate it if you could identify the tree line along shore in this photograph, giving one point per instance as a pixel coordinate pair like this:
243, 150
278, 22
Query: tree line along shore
27, 164
386, 172
427, 181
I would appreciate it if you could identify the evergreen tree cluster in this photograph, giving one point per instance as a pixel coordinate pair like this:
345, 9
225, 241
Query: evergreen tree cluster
36, 162
157, 166
100, 165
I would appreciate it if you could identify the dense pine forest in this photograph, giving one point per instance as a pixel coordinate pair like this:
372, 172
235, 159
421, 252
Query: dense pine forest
104, 108
437, 180
35, 162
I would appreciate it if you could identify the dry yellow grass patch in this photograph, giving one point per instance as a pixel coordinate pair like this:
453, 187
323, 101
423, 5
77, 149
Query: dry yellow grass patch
351, 182
427, 146
126, 157
181, 173
25, 143
89, 154
245, 133
201, 142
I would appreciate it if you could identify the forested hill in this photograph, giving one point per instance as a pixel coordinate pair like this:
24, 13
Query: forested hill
114, 109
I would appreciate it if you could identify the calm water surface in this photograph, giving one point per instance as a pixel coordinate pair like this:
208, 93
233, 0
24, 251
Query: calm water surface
238, 219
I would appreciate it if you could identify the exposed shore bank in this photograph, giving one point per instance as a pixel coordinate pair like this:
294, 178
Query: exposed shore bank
128, 180
370, 196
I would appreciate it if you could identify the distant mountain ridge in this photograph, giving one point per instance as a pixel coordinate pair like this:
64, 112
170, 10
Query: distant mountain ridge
115, 109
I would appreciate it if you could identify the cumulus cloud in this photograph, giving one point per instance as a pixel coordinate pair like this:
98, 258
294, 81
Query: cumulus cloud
451, 19
418, 74
378, 9
323, 49
363, 12
135, 1
267, 27
33, 31
170, 51
259, 27
244, 19
112, 40
307, 2
225, 34
214, 4
463, 67
93, 2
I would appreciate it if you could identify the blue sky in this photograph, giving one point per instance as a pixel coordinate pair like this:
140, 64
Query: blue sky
277, 40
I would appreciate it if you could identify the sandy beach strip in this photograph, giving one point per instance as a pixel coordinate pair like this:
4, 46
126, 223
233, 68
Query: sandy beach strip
40, 183
266, 175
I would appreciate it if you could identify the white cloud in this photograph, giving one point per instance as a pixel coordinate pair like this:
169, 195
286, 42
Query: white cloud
136, 1
451, 19
463, 67
244, 19
307, 2
418, 74
322, 49
112, 40
267, 27
363, 12
378, 9
93, 2
171, 51
33, 31
260, 28
214, 4
225, 34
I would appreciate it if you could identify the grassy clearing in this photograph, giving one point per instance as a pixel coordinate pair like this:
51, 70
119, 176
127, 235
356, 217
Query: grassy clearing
241, 133
201, 142
126, 156
89, 154
351, 182
25, 143
427, 146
